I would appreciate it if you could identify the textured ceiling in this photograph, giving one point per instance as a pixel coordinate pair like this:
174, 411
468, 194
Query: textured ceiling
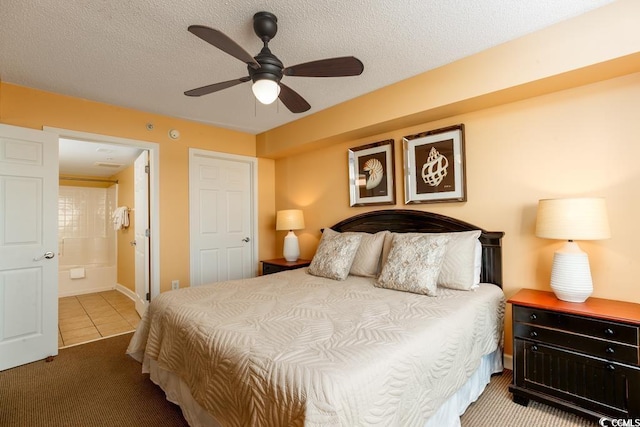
139, 54
80, 158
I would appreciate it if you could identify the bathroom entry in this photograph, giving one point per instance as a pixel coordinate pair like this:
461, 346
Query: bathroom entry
103, 177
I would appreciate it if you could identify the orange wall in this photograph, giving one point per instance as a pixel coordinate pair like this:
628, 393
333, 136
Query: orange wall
579, 142
126, 252
78, 183
21, 106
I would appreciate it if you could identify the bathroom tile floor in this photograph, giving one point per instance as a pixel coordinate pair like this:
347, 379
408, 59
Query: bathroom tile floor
89, 317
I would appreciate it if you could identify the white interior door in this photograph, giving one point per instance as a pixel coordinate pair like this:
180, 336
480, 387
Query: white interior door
141, 223
221, 206
28, 245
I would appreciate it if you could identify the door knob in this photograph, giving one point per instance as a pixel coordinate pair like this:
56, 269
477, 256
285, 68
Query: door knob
132, 243
246, 240
47, 255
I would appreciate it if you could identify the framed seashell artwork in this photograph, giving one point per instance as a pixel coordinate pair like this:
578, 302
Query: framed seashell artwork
371, 174
434, 166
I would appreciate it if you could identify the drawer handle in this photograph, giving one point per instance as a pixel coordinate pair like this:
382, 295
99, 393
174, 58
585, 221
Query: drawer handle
533, 334
608, 332
609, 350
534, 348
533, 316
611, 367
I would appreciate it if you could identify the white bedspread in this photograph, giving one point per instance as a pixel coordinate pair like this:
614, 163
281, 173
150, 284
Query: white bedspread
295, 349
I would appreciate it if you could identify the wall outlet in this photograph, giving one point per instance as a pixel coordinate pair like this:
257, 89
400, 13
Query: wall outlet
175, 284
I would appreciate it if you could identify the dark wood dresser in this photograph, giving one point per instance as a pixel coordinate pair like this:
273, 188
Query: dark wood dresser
582, 357
271, 266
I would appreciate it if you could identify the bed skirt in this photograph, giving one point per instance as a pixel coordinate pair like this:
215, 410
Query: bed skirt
447, 415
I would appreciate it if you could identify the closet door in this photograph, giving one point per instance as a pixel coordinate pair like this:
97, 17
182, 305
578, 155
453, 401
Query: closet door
222, 217
28, 245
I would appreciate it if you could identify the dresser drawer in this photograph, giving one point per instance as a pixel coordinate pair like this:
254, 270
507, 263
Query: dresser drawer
280, 264
270, 268
610, 331
608, 388
581, 357
605, 349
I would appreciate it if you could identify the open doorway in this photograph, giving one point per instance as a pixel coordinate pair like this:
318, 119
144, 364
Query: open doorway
97, 243
101, 280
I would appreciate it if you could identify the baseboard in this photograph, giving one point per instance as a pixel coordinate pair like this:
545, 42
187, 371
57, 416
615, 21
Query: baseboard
86, 291
126, 291
507, 361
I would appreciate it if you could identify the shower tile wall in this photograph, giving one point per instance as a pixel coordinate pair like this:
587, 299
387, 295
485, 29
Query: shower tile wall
85, 233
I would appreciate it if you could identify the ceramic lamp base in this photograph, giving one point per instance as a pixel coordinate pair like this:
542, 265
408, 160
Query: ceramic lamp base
291, 251
570, 274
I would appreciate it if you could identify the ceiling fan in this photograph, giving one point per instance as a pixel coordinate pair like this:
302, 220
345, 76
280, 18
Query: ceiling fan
266, 70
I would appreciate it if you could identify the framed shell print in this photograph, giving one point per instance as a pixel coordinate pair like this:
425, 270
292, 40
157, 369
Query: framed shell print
371, 174
434, 166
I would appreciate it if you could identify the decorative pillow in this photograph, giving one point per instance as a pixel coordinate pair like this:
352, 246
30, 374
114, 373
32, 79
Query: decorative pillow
367, 260
459, 266
334, 255
414, 263
462, 263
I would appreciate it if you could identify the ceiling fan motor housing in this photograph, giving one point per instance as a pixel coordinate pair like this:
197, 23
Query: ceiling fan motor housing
265, 25
270, 67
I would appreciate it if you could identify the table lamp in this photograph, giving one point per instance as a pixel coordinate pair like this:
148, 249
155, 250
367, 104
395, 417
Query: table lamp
290, 219
572, 219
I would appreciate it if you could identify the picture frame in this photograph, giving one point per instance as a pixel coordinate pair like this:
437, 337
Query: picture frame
371, 174
434, 166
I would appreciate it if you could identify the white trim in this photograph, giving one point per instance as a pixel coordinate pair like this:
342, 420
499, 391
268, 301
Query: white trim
507, 361
253, 163
86, 291
126, 291
154, 190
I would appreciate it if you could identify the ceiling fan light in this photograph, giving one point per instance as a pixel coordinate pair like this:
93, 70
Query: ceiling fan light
266, 91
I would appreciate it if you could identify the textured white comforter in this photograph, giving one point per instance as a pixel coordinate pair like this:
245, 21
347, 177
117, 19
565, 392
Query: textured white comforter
295, 349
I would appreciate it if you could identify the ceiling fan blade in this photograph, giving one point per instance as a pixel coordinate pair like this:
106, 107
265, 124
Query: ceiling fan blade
224, 43
292, 100
204, 90
332, 67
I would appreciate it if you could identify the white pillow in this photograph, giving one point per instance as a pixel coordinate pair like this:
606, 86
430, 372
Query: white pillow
414, 263
459, 266
367, 260
462, 262
334, 255
477, 266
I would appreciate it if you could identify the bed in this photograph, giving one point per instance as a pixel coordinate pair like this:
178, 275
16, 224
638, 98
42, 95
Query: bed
303, 348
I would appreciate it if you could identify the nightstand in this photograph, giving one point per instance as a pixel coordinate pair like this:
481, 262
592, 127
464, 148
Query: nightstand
581, 357
277, 265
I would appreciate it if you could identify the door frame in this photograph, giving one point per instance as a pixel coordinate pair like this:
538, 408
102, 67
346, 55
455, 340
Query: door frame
253, 180
154, 190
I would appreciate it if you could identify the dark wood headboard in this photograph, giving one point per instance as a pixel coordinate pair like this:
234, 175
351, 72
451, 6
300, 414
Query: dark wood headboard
413, 221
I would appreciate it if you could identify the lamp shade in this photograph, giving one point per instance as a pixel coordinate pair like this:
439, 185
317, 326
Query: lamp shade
266, 90
290, 219
573, 219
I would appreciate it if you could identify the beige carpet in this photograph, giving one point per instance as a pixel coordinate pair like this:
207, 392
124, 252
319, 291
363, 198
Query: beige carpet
96, 384
495, 408
90, 385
